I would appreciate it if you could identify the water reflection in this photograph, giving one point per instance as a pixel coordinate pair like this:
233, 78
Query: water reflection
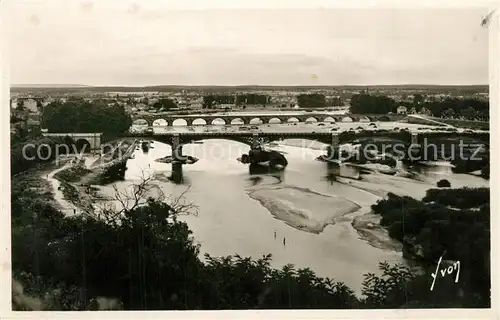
256, 171
177, 175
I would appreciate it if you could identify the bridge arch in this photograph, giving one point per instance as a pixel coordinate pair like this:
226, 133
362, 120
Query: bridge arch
347, 119
274, 120
160, 122
364, 119
329, 120
83, 145
256, 120
199, 122
311, 120
140, 122
179, 122
384, 118
218, 122
293, 120
237, 121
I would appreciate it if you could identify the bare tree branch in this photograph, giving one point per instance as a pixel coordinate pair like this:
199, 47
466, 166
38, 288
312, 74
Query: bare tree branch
137, 195
181, 207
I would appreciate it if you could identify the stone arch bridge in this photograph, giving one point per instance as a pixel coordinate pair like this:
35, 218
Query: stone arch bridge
248, 137
267, 118
93, 140
251, 138
333, 139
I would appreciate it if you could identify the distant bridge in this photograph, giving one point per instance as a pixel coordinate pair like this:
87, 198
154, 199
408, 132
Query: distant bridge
92, 140
266, 118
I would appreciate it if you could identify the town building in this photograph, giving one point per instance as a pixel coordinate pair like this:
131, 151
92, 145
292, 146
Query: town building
424, 111
402, 110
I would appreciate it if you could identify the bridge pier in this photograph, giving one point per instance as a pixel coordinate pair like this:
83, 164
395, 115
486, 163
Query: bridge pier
414, 139
333, 148
415, 148
177, 147
177, 175
177, 155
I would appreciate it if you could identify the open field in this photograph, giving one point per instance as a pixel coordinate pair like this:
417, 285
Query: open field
482, 125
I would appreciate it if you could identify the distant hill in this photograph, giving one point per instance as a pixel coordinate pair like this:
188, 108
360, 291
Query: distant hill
19, 86
207, 88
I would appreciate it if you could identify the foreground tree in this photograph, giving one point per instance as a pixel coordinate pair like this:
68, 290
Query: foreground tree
81, 116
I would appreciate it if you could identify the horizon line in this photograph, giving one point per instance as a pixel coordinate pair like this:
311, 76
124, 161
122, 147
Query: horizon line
32, 85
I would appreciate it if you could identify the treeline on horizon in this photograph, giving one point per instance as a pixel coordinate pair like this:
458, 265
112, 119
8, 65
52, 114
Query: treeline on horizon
210, 101
215, 88
471, 109
77, 115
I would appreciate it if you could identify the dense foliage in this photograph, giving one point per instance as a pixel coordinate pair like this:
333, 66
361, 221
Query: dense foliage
211, 101
443, 183
27, 152
367, 104
462, 198
30, 150
334, 101
165, 104
82, 116
436, 228
312, 100
252, 99
467, 165
471, 109
149, 261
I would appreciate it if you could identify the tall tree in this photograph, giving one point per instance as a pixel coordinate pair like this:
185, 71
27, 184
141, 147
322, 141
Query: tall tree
165, 103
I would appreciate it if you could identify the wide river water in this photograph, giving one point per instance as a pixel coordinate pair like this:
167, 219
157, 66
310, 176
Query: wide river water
241, 212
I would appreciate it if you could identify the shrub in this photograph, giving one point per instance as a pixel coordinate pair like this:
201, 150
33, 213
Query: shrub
443, 184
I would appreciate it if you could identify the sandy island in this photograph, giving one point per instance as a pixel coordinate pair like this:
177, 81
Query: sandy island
290, 204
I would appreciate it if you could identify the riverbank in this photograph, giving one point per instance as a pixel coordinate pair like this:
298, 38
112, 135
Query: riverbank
77, 181
367, 224
38, 181
369, 229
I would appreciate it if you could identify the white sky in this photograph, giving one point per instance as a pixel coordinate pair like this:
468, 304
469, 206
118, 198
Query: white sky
119, 43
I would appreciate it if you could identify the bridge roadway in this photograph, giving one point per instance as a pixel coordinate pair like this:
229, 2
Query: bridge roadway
266, 118
333, 139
